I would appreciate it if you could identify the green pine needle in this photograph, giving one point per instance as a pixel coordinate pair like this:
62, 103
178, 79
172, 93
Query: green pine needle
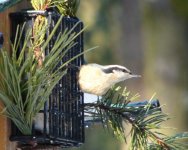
146, 123
25, 86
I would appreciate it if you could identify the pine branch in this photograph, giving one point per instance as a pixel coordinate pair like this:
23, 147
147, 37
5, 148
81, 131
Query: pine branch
67, 7
25, 87
41, 4
145, 117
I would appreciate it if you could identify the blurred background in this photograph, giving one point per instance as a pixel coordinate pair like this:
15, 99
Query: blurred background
150, 37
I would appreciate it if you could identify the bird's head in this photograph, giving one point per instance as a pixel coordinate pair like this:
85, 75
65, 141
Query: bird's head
119, 73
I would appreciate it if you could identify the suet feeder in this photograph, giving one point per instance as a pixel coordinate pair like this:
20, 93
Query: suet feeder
62, 116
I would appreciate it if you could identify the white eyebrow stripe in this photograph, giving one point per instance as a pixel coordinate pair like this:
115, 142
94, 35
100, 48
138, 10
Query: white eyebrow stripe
116, 66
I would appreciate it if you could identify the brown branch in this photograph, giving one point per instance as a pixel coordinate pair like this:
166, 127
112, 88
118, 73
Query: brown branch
160, 141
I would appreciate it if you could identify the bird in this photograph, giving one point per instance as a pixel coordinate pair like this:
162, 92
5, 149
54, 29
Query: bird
93, 79
98, 79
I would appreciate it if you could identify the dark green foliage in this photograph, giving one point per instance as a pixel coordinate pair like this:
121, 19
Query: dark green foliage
67, 7
114, 108
25, 85
180, 7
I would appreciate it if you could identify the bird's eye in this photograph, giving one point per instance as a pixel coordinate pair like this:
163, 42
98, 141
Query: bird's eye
124, 70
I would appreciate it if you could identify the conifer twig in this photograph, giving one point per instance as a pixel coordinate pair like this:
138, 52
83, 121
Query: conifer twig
116, 107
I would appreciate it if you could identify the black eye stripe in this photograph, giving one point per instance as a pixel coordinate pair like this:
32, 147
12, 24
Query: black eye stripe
110, 70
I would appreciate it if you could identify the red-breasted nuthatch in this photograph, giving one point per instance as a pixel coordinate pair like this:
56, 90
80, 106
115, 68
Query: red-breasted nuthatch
97, 79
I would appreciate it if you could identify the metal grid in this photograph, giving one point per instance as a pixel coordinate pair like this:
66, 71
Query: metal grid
62, 117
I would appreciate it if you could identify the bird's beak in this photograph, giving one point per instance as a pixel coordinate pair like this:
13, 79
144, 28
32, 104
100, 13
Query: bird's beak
135, 76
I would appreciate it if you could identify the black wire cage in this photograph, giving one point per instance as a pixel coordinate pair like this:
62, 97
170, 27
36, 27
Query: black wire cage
62, 118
